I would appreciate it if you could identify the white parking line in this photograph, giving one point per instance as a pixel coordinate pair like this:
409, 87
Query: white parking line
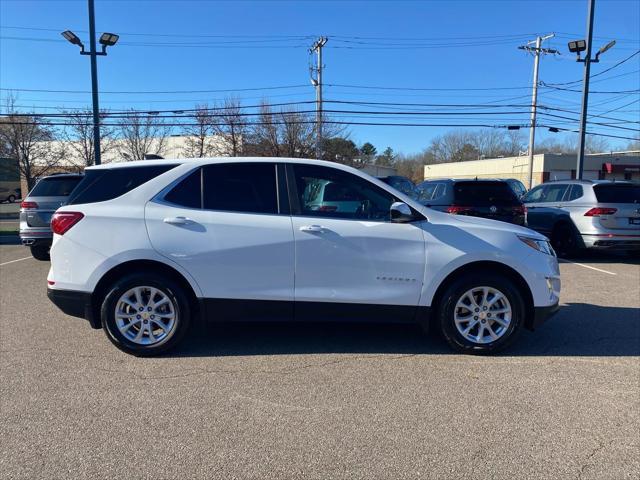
14, 261
589, 266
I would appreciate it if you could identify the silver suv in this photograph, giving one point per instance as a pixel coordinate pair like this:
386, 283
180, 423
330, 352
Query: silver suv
36, 210
576, 214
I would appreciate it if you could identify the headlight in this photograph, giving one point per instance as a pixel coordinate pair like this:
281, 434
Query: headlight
540, 245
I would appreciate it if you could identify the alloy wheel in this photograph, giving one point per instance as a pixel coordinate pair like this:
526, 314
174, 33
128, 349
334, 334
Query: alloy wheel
146, 315
482, 315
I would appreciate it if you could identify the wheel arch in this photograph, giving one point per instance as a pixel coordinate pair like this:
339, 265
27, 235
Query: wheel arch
494, 267
129, 266
566, 221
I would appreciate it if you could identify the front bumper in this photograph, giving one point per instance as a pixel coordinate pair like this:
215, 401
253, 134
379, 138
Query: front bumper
541, 315
74, 303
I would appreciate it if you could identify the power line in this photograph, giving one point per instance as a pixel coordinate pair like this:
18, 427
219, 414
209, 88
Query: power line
599, 73
157, 92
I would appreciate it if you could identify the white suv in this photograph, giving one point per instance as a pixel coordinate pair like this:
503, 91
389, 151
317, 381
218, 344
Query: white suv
143, 249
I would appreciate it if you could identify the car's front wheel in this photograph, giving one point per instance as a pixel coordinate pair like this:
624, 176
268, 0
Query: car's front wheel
145, 314
481, 313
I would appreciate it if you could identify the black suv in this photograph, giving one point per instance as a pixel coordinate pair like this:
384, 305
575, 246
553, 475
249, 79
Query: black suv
494, 199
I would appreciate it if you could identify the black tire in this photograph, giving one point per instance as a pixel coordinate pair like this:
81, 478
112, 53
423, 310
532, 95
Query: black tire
446, 312
11, 198
564, 240
40, 252
168, 287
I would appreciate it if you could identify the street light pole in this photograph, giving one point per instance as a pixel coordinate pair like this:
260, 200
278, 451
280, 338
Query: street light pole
106, 40
585, 91
94, 83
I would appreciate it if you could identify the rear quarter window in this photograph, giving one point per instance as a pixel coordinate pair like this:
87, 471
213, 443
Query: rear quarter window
617, 193
106, 184
55, 187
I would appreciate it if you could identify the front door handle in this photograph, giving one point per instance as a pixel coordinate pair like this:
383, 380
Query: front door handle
312, 229
177, 220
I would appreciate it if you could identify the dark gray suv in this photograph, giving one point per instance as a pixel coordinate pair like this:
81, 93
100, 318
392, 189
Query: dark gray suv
49, 194
494, 199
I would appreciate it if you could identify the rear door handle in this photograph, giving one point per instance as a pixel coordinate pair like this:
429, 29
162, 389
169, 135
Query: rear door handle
312, 228
178, 220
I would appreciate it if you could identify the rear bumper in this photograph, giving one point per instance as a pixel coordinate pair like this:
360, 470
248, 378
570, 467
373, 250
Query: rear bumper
74, 303
36, 238
612, 241
541, 315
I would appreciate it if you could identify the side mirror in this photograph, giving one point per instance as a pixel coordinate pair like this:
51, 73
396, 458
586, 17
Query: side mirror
401, 213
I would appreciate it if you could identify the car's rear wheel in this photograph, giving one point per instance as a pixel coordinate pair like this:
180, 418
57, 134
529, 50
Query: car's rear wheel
40, 252
11, 198
145, 314
564, 240
481, 313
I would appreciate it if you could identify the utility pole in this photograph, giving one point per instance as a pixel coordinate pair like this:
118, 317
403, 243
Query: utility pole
537, 50
317, 83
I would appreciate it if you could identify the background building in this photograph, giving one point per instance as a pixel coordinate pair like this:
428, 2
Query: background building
546, 167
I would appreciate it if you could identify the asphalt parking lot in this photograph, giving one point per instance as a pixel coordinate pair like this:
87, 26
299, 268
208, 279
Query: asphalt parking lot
323, 401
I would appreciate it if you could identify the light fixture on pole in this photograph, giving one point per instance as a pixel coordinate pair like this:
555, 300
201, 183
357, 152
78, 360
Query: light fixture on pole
106, 40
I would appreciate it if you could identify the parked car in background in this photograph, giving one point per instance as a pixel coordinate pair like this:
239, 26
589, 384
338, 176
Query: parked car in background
577, 214
517, 186
243, 239
8, 194
494, 199
36, 210
402, 184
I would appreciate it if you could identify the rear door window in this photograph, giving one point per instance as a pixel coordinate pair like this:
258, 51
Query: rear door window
554, 193
240, 187
621, 193
478, 193
55, 187
100, 185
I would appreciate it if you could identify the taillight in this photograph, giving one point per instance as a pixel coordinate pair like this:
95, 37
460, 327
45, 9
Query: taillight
597, 211
61, 222
520, 210
455, 209
28, 205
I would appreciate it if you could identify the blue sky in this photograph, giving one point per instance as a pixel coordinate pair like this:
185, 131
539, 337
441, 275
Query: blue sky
403, 46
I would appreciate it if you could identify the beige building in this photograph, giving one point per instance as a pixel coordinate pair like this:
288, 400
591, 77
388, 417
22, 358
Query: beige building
546, 167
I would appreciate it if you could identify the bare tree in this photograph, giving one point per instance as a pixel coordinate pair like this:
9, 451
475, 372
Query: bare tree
29, 140
78, 137
488, 142
298, 139
514, 143
200, 141
140, 135
265, 134
231, 126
